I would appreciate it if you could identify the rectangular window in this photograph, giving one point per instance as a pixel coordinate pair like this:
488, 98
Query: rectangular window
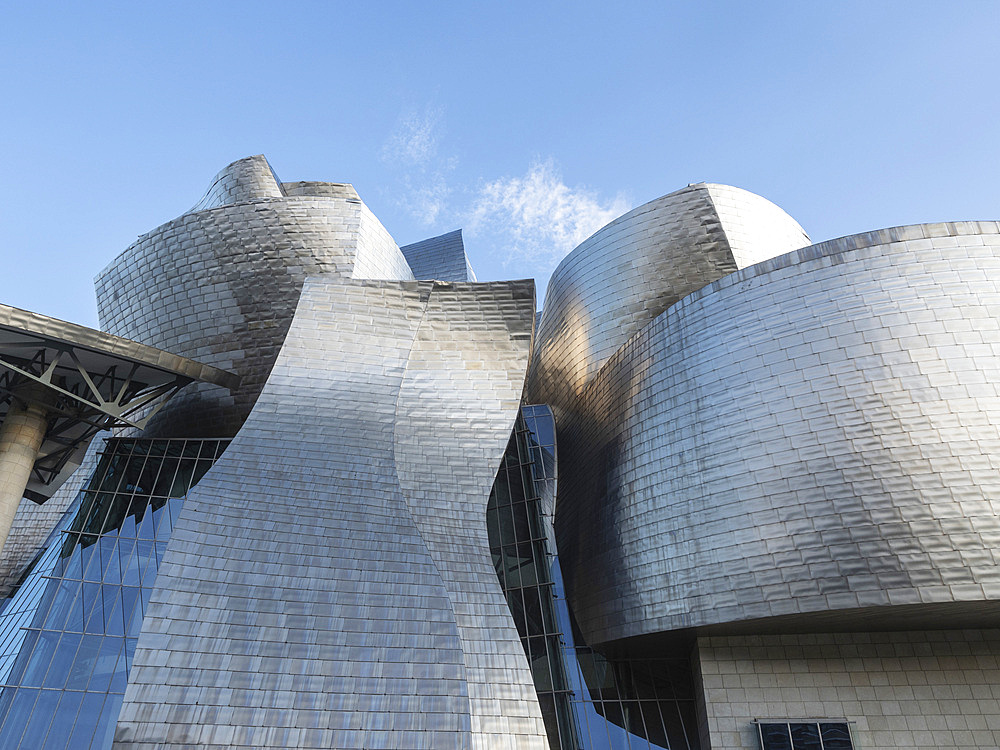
804, 734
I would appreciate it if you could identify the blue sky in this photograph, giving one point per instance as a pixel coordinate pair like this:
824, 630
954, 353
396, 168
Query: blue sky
527, 124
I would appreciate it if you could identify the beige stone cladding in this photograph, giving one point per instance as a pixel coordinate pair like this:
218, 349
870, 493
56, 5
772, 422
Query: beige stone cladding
912, 690
814, 440
328, 583
220, 283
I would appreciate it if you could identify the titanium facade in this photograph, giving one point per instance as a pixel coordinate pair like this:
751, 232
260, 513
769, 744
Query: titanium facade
737, 489
220, 283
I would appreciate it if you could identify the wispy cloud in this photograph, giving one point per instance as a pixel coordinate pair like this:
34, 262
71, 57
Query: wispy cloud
414, 140
412, 149
538, 217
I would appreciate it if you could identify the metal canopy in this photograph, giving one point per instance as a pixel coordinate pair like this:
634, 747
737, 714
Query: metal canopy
89, 381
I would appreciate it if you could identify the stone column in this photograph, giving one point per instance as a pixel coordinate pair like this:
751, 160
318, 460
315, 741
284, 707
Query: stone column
21, 436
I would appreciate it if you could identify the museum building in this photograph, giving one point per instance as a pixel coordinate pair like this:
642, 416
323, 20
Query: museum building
309, 489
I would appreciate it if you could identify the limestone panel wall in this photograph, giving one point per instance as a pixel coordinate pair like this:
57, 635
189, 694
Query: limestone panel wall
630, 271
220, 284
328, 583
817, 434
919, 690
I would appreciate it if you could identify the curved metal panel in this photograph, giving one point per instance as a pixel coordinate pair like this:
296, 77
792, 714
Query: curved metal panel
819, 433
633, 269
244, 180
220, 285
329, 581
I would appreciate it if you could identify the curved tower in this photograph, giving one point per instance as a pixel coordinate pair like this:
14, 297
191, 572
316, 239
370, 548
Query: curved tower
219, 284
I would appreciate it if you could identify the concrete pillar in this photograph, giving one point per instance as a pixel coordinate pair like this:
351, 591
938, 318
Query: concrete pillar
21, 438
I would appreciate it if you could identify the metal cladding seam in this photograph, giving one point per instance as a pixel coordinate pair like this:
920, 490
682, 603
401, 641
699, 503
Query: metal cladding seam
219, 284
634, 268
329, 582
814, 440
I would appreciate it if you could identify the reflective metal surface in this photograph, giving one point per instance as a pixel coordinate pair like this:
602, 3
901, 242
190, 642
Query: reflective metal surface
220, 283
633, 269
441, 258
814, 440
329, 583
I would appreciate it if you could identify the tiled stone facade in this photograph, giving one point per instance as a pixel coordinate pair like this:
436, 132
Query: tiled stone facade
921, 690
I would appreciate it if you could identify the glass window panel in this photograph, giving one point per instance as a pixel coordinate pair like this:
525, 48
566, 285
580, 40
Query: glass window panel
493, 523
836, 736
672, 723
615, 720
548, 609
690, 719
38, 724
161, 520
634, 723
174, 505
105, 664
62, 660
681, 679
168, 473
775, 737
144, 522
642, 681
160, 549
17, 716
533, 612
521, 525
184, 479
76, 611
539, 660
132, 610
63, 721
145, 594
90, 712
555, 663
130, 562
623, 680
655, 731
805, 736
104, 732
114, 619
40, 646
545, 430
83, 665
130, 644
145, 551
92, 569
94, 608
64, 595
548, 706
110, 561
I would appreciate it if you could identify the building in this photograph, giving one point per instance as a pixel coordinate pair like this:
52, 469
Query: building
731, 489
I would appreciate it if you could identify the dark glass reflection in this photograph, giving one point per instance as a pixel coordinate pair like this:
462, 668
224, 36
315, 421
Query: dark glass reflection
804, 735
587, 701
69, 630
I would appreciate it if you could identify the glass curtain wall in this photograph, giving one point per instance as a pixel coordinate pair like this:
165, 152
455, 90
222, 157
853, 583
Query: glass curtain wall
68, 632
589, 702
